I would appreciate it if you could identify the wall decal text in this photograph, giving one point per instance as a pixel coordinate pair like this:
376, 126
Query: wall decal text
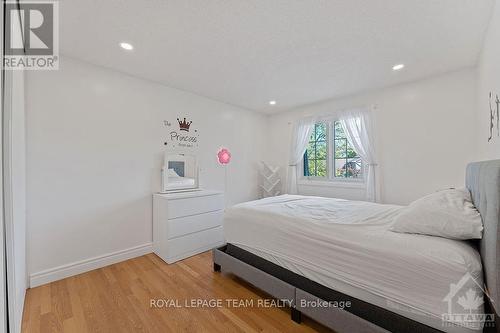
182, 134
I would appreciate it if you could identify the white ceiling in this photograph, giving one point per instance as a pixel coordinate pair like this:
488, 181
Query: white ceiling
247, 52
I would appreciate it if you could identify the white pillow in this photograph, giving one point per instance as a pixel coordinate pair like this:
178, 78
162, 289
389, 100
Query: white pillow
172, 173
448, 213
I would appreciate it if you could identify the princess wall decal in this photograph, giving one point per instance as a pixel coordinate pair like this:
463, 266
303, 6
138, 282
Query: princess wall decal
183, 135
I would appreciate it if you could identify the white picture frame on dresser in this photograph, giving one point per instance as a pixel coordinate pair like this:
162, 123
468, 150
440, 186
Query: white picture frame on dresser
187, 223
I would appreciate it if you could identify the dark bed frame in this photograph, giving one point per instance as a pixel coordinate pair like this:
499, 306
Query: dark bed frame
482, 180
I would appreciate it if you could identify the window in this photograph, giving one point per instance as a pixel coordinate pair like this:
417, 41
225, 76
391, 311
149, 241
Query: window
347, 163
315, 157
330, 156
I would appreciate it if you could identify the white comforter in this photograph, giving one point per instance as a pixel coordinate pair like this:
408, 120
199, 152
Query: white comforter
346, 245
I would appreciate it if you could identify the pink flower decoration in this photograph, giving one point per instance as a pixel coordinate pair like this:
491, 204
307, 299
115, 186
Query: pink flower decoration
224, 156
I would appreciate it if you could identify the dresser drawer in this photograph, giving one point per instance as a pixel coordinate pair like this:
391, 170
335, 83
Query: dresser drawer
189, 224
184, 246
196, 205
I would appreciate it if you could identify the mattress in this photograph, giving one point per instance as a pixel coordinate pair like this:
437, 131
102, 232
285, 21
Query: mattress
347, 246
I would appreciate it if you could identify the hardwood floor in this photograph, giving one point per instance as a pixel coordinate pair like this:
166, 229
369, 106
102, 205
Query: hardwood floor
117, 298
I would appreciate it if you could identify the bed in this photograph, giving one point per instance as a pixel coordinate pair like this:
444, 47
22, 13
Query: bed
312, 249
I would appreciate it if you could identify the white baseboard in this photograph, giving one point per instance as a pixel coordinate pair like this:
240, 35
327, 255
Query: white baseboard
64, 271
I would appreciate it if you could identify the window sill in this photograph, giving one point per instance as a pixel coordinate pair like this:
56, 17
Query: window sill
332, 183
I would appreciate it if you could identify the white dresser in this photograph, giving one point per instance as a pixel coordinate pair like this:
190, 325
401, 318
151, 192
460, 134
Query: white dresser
187, 223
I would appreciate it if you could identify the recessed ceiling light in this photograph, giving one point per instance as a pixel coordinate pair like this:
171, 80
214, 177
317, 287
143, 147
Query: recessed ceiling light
126, 46
272, 102
398, 67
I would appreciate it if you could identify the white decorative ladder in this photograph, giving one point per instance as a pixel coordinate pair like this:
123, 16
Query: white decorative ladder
271, 181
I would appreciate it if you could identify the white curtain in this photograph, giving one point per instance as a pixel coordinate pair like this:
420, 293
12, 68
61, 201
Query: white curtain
300, 137
357, 125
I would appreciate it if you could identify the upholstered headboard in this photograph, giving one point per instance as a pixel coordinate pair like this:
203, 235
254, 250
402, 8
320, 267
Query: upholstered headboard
483, 181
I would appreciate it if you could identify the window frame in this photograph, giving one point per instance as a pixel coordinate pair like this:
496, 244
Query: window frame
330, 179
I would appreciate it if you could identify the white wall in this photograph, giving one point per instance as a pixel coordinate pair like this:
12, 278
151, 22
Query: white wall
489, 81
424, 136
94, 152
